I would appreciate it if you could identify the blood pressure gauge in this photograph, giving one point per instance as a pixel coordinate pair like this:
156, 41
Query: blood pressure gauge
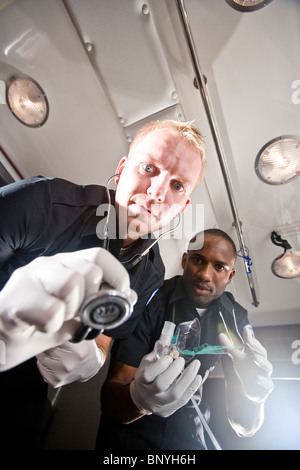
106, 309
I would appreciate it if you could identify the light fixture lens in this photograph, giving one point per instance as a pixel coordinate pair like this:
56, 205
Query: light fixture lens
287, 266
279, 161
248, 5
27, 101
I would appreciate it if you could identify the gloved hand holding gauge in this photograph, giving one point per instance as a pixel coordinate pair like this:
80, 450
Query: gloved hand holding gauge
251, 365
39, 305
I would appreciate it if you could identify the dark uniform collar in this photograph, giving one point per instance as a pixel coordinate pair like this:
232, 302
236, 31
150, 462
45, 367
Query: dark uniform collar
136, 248
222, 302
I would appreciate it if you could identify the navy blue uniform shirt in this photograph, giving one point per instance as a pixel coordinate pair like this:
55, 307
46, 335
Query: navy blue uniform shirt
41, 217
182, 430
44, 216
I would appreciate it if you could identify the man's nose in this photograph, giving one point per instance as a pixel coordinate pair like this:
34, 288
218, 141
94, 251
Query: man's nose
158, 188
205, 272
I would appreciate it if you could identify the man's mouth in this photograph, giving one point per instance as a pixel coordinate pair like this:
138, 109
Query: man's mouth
201, 288
138, 209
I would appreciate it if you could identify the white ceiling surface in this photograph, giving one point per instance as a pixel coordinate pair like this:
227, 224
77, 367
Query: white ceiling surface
109, 65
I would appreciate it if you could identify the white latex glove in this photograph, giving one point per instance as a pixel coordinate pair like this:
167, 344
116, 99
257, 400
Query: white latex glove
251, 366
70, 363
39, 303
163, 386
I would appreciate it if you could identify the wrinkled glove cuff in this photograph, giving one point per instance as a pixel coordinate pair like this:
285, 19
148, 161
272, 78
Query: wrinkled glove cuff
99, 359
135, 400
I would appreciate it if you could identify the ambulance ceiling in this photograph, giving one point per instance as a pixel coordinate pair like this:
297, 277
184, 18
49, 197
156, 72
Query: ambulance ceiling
108, 66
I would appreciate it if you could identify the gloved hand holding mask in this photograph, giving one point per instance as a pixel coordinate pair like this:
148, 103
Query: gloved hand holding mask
162, 385
251, 365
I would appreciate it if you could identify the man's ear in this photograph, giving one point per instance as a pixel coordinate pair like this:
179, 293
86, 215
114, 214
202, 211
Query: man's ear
183, 260
186, 204
120, 168
231, 275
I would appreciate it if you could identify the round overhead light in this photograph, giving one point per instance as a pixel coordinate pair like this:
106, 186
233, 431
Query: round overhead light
248, 5
27, 101
287, 266
279, 160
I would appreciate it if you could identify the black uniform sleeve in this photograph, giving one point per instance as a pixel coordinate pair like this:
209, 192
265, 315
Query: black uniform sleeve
23, 219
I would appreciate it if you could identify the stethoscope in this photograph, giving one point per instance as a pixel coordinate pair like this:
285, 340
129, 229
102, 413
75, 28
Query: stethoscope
109, 308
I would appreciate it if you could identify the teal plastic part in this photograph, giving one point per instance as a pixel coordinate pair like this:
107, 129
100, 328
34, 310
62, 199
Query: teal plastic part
208, 349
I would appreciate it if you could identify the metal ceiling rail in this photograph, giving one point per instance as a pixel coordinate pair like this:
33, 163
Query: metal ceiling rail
217, 140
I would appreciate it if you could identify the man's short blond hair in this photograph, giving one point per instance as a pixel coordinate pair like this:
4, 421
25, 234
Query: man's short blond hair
187, 130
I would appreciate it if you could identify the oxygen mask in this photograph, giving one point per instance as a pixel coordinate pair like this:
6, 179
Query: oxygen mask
184, 341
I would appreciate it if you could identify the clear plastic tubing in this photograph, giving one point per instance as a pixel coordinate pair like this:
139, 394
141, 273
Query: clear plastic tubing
205, 425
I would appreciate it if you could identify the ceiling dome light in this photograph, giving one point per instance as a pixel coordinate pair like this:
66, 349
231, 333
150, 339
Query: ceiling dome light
27, 101
248, 5
287, 265
279, 160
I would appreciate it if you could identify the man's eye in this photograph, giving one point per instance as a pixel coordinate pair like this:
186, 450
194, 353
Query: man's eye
147, 168
221, 267
178, 186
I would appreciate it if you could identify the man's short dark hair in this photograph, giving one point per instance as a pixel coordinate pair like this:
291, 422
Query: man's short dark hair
195, 245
